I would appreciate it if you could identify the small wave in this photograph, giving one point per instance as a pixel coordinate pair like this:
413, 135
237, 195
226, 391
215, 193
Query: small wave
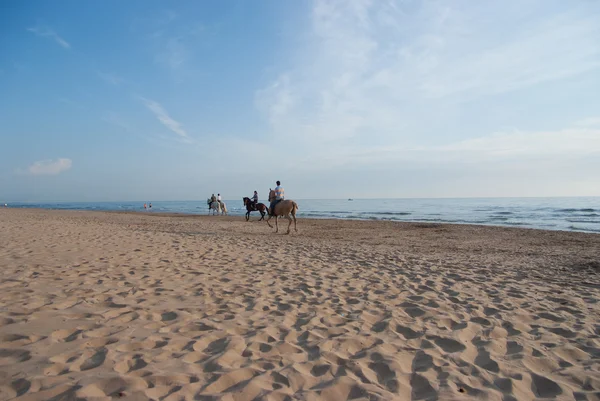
585, 210
389, 213
583, 221
591, 230
504, 213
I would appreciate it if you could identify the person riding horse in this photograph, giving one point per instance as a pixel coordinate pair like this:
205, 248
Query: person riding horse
252, 205
279, 196
254, 200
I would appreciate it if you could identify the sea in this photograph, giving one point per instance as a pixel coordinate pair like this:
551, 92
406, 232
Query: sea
567, 214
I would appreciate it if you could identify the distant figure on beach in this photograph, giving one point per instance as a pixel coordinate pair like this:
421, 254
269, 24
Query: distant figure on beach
279, 196
145, 206
150, 205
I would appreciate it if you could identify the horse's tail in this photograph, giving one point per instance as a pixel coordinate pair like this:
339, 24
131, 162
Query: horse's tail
295, 206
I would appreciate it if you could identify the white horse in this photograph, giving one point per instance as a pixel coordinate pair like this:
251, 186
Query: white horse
217, 207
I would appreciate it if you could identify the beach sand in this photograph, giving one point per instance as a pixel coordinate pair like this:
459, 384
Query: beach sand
145, 306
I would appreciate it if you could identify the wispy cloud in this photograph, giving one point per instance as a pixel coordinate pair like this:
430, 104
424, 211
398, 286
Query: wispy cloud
71, 103
589, 122
49, 167
165, 119
172, 42
116, 120
46, 32
376, 72
110, 78
173, 53
566, 144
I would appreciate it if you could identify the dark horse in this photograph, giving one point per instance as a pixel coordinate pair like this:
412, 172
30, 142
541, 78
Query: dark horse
251, 207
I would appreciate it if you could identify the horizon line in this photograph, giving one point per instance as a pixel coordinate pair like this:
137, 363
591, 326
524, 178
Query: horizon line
313, 199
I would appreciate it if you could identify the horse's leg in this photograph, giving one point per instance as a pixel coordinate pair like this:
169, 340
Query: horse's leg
262, 215
294, 216
248, 215
276, 224
287, 216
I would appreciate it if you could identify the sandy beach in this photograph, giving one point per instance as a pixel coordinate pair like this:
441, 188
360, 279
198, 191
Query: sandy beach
165, 307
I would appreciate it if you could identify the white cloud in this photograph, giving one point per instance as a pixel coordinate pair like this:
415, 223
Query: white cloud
164, 118
380, 72
173, 53
589, 122
569, 144
172, 41
49, 167
49, 33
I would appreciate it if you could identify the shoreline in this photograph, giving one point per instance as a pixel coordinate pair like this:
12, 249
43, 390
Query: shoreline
256, 216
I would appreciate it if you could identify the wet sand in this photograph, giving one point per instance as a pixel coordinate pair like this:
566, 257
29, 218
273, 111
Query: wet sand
169, 307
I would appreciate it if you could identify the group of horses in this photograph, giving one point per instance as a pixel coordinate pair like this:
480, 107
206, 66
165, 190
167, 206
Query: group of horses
285, 208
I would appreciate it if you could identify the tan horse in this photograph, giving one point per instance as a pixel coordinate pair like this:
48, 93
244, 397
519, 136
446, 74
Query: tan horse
283, 208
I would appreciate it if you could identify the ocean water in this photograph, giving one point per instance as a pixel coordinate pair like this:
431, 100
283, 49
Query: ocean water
570, 214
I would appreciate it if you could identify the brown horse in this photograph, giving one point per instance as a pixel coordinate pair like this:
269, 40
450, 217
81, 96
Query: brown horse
251, 207
283, 208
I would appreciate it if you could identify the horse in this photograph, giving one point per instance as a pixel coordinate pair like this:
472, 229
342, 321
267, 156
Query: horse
217, 207
283, 208
251, 207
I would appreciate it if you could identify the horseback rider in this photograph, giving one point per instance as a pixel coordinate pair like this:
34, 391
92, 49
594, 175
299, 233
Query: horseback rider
254, 200
279, 196
213, 199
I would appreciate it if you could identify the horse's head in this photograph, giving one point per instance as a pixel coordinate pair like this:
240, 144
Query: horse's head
246, 199
271, 195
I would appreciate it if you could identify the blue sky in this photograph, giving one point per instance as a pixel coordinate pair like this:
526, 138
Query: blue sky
154, 100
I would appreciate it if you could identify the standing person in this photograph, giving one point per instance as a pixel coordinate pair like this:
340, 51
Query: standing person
150, 205
279, 196
145, 206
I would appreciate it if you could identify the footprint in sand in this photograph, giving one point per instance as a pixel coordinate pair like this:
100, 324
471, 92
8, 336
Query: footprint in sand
11, 356
543, 387
421, 389
168, 316
412, 310
131, 364
422, 362
20, 386
65, 335
385, 375
407, 332
379, 326
319, 370
448, 345
483, 360
92, 361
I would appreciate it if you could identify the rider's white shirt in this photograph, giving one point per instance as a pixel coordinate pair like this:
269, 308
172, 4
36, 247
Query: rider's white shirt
219, 198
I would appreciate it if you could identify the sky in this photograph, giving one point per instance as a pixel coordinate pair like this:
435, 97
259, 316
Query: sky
153, 100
